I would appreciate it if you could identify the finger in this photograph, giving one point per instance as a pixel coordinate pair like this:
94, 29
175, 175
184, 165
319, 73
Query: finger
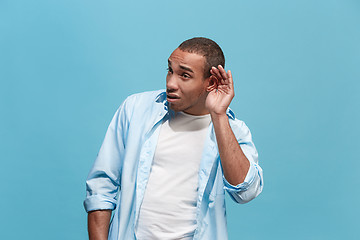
230, 76
217, 74
231, 82
224, 75
222, 72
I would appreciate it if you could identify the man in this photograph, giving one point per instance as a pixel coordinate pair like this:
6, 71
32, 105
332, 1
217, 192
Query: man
168, 156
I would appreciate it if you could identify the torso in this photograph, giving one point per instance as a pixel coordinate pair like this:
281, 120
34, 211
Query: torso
168, 210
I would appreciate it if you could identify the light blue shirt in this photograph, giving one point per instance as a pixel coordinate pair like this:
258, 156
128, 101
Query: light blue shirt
121, 170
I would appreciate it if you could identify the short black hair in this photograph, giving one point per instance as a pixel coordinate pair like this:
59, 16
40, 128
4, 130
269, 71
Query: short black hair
206, 47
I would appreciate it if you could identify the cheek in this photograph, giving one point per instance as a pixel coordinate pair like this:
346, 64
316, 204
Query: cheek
192, 89
199, 90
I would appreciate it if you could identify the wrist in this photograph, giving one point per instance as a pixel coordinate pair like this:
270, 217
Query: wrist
219, 117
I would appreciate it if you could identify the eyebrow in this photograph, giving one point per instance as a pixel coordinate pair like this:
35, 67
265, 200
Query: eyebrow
182, 67
186, 68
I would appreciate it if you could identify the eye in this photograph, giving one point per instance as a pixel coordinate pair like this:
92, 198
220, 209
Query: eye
169, 69
185, 75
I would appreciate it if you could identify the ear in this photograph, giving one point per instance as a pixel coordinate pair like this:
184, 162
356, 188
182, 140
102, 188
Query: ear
213, 83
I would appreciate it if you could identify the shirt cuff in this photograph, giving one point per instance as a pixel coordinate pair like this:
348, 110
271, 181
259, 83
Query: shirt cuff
97, 202
250, 176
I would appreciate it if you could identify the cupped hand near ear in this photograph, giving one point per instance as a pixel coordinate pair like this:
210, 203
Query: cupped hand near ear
221, 91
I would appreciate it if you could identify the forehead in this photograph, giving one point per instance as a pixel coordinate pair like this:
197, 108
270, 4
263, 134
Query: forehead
191, 60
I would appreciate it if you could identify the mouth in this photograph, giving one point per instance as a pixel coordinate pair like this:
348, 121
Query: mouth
172, 97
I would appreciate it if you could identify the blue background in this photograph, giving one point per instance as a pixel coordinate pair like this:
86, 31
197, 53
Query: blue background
65, 66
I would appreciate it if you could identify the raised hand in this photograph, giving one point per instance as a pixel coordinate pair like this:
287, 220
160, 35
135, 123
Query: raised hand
221, 92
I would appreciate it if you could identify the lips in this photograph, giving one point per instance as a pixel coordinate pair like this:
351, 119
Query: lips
172, 97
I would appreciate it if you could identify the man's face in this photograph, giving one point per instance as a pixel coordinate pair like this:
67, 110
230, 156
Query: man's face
185, 83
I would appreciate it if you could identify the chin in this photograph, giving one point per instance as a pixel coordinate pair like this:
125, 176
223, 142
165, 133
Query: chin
175, 108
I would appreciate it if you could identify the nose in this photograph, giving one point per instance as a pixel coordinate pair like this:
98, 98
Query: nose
171, 83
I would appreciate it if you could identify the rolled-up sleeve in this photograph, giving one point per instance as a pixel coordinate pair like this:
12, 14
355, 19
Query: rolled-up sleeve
103, 182
253, 183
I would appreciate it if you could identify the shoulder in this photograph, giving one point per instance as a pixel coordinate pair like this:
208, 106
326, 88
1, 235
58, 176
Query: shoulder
143, 99
141, 102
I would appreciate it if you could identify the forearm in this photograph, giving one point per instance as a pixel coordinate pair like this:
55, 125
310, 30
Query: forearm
234, 163
98, 224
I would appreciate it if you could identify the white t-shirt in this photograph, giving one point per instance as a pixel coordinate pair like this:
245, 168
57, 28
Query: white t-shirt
168, 210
